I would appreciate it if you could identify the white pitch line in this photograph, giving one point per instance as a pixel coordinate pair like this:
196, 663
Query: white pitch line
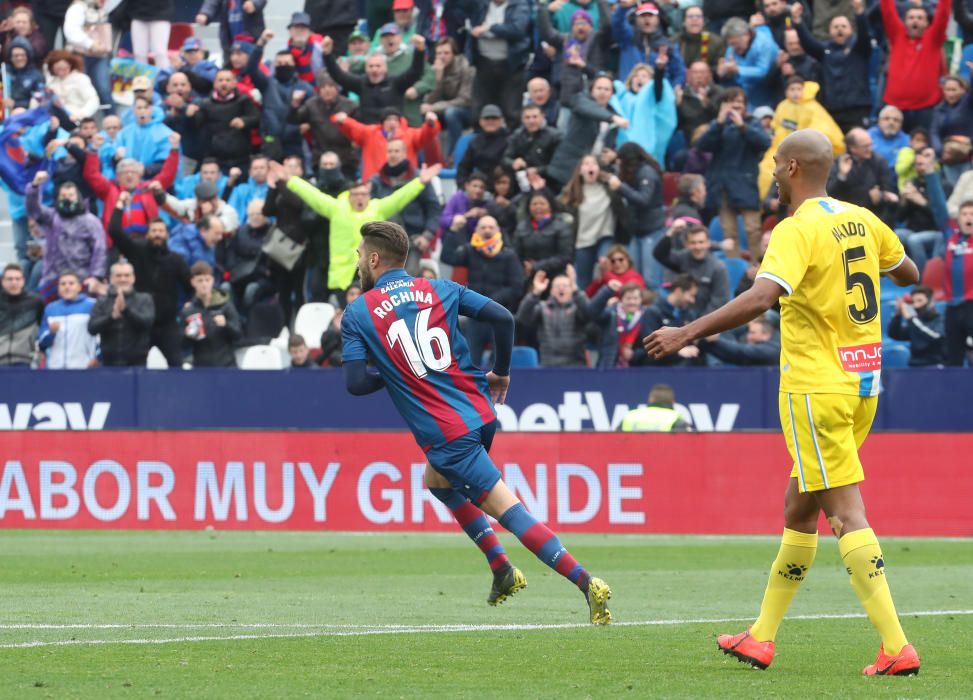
365, 630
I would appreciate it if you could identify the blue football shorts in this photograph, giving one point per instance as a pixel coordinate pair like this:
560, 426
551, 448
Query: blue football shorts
466, 464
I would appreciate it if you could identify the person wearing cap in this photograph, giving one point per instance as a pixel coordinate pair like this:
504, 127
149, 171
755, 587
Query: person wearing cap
151, 23
305, 47
377, 88
563, 13
195, 61
404, 17
452, 95
373, 138
750, 54
142, 86
235, 17
642, 37
577, 54
486, 149
207, 201
501, 48
227, 117
398, 57
314, 117
347, 214
765, 115
335, 18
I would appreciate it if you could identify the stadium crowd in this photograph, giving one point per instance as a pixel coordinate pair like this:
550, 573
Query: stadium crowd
607, 168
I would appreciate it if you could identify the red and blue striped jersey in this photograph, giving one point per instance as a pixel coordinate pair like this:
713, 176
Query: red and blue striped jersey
408, 327
958, 282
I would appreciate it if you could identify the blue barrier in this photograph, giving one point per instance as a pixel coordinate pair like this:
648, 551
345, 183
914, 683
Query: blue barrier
539, 400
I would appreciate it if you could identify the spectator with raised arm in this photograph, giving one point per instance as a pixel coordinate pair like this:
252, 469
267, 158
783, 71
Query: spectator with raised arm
347, 214
863, 177
373, 139
377, 89
638, 29
559, 320
750, 54
159, 272
618, 309
915, 59
234, 17
918, 322
844, 60
579, 53
674, 308
74, 238
314, 117
451, 99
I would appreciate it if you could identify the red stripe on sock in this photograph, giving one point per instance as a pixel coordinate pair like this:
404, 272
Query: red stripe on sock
489, 542
536, 537
498, 561
466, 514
565, 564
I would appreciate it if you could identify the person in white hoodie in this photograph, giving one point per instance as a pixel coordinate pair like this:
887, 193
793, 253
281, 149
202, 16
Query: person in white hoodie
63, 334
66, 79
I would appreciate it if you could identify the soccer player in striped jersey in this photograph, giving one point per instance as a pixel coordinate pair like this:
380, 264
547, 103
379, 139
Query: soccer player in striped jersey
408, 328
823, 263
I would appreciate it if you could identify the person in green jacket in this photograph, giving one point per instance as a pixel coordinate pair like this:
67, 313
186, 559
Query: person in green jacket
659, 416
347, 212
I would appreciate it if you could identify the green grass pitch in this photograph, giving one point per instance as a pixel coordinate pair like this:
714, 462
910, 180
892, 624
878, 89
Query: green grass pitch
280, 615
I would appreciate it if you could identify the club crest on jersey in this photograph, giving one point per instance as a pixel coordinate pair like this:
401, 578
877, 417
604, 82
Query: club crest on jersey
861, 358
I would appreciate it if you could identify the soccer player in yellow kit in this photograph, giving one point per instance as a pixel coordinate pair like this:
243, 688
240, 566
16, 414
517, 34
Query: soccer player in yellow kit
823, 264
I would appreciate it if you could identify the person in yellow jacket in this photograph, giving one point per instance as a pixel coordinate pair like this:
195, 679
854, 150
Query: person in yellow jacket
799, 110
348, 212
659, 416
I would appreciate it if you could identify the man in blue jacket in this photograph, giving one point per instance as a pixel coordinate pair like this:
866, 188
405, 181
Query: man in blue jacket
641, 37
750, 55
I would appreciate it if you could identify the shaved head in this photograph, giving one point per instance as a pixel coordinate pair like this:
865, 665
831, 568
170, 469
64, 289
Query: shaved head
803, 161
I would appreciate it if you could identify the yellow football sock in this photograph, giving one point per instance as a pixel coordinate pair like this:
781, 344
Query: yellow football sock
796, 554
863, 559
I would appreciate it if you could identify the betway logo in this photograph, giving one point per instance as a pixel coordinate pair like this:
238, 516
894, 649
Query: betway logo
587, 411
50, 415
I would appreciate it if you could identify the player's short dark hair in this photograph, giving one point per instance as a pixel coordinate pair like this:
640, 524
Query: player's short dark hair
683, 281
296, 341
692, 229
387, 239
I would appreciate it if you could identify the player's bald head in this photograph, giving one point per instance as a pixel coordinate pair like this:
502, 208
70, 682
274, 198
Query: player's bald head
811, 150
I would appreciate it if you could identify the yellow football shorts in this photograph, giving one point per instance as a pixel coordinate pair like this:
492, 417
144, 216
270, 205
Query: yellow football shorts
823, 434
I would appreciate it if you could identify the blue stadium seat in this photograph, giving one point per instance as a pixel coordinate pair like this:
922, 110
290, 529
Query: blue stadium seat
524, 357
895, 355
715, 230
889, 290
458, 151
736, 267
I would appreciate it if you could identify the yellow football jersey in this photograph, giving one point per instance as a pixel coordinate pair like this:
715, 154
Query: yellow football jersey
828, 257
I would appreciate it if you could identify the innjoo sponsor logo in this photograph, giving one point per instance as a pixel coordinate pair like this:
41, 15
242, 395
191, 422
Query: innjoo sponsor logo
861, 358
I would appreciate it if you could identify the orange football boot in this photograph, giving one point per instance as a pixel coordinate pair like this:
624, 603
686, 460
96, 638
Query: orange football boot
747, 649
905, 663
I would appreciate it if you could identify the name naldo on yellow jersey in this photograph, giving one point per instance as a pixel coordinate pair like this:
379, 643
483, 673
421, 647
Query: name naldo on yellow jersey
828, 257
